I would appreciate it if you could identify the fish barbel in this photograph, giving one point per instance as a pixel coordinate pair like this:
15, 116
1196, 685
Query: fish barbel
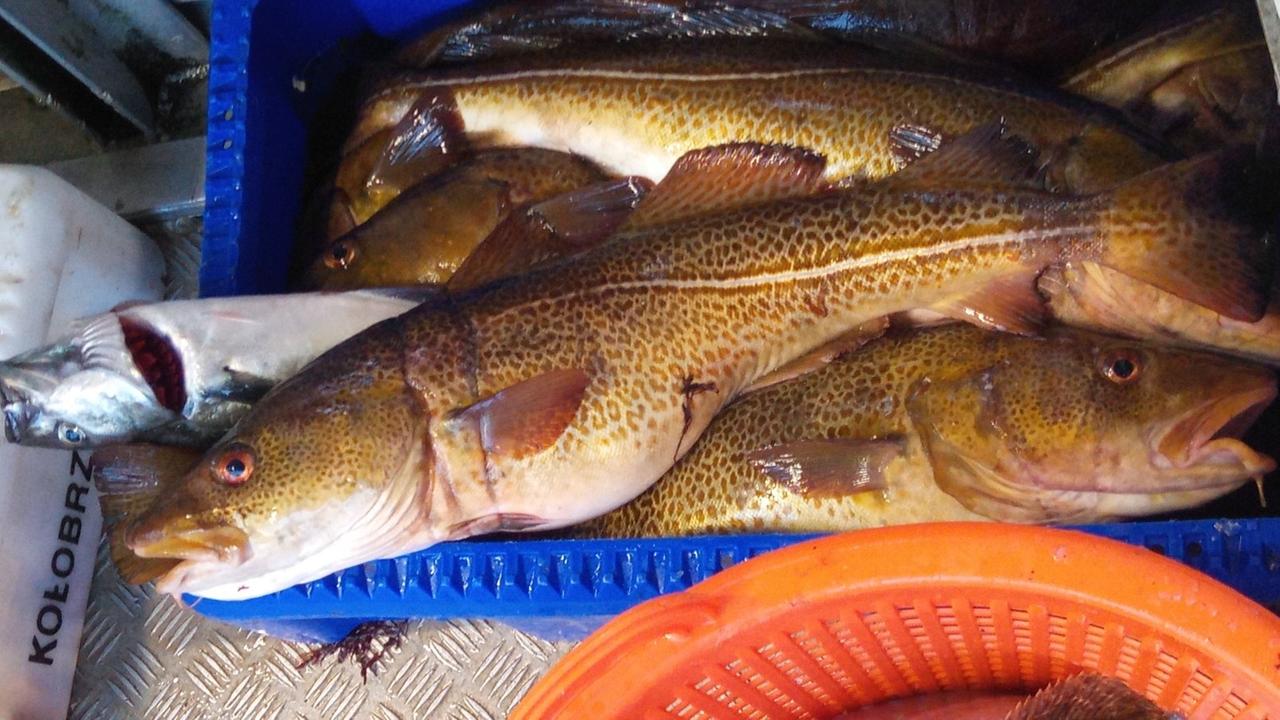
635, 108
873, 438
557, 395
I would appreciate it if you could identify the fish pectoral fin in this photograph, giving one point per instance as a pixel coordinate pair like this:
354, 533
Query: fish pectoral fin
418, 144
133, 569
723, 177
555, 228
528, 417
1087, 695
827, 468
987, 154
822, 355
243, 386
1008, 304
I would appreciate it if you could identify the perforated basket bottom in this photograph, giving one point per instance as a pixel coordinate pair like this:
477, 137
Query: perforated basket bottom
840, 623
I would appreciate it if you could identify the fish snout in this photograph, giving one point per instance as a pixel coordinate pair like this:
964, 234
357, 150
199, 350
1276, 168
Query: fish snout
183, 537
16, 419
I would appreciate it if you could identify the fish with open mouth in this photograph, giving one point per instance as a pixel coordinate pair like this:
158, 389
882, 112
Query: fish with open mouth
955, 423
179, 372
558, 395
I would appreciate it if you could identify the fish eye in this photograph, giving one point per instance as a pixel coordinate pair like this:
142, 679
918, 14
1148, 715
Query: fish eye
70, 434
340, 255
1120, 366
234, 465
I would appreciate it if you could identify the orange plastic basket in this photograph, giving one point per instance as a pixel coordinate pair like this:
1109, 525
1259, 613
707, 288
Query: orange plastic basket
834, 624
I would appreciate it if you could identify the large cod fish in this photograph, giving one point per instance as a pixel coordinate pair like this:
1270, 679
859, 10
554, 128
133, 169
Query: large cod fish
956, 423
635, 108
558, 395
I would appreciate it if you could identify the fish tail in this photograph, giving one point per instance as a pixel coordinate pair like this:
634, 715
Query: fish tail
1199, 229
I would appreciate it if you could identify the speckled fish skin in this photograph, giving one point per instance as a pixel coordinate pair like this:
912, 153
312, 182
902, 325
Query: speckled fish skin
423, 235
411, 433
869, 395
1087, 295
635, 108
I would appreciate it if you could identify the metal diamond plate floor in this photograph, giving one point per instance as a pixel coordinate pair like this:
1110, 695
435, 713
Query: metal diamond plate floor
146, 656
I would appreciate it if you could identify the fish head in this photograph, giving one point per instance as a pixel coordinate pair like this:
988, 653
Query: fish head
1082, 427
83, 391
419, 238
322, 472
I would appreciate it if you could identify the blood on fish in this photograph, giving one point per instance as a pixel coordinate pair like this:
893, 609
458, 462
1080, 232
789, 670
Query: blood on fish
158, 362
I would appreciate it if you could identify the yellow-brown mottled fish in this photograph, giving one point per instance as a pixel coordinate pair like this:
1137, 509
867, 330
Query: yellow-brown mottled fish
558, 395
1200, 83
1090, 296
956, 423
424, 234
635, 108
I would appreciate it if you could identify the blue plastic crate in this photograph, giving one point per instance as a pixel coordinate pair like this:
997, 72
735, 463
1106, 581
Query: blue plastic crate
270, 61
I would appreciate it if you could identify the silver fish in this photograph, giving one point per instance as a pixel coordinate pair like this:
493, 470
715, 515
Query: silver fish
179, 372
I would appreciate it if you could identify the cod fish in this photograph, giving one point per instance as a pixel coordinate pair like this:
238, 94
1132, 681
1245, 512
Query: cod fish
955, 423
1037, 35
556, 396
1201, 82
635, 108
1086, 696
424, 234
176, 372
1088, 295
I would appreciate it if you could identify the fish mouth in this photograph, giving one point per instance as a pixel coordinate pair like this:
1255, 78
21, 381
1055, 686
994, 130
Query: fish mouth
187, 540
1208, 436
17, 387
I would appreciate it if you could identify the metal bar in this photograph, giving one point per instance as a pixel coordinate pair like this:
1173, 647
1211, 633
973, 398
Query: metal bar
74, 47
1269, 10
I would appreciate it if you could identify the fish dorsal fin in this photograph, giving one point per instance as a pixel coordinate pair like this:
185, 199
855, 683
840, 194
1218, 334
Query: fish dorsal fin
549, 230
828, 468
528, 417
822, 355
1007, 304
1088, 697
988, 154
723, 177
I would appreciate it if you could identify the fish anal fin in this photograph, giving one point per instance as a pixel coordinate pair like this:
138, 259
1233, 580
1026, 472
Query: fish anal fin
558, 227
723, 177
1087, 695
827, 468
987, 154
1008, 304
528, 417
822, 355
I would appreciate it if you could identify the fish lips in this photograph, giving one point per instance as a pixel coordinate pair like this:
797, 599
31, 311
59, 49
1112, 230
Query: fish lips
190, 542
1207, 437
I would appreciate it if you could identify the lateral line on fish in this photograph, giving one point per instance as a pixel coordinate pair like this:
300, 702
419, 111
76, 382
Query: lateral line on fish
854, 263
651, 76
